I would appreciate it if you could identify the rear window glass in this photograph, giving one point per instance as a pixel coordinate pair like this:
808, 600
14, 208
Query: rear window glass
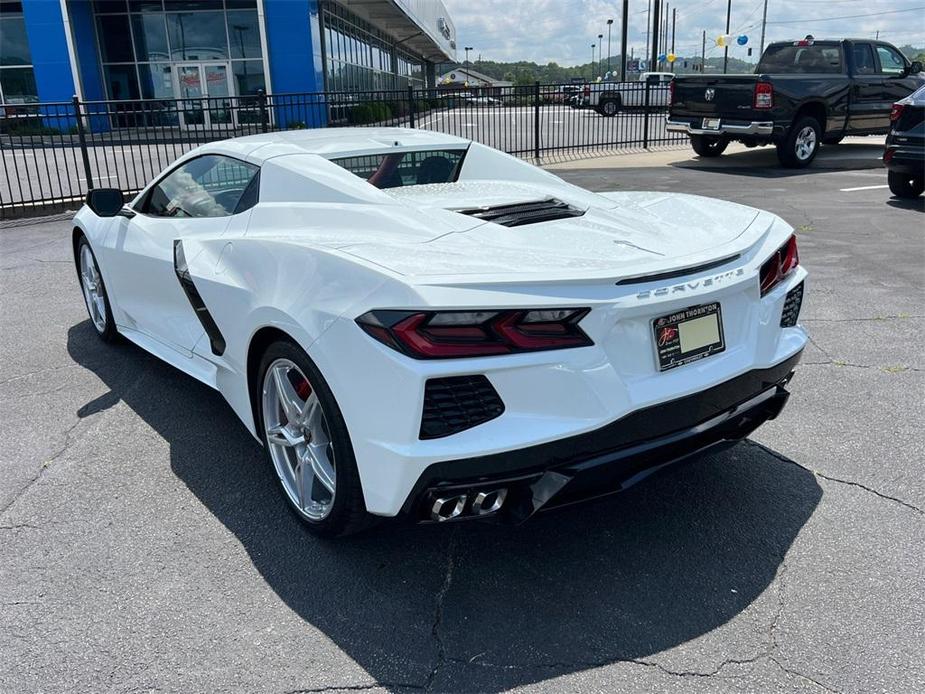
397, 169
787, 58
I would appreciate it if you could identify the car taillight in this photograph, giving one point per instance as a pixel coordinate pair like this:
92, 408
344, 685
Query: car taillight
671, 93
779, 265
896, 112
460, 334
764, 95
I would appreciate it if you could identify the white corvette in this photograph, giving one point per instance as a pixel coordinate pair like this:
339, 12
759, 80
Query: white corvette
417, 325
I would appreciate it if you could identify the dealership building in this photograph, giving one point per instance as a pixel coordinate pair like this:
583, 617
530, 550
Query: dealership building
51, 50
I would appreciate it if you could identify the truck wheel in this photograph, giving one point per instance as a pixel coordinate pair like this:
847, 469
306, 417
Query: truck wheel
609, 107
905, 185
801, 143
707, 146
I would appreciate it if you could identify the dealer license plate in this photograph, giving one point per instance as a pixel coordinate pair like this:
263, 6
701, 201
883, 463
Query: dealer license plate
688, 335
711, 123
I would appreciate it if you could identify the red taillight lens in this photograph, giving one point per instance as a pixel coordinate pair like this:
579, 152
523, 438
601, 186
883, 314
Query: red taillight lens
896, 112
779, 265
671, 93
460, 334
586, 91
764, 95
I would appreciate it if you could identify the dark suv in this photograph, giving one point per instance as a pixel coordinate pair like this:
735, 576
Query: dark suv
905, 146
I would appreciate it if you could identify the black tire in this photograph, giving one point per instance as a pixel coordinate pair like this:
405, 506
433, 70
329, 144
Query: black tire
609, 107
108, 333
906, 185
801, 143
709, 146
348, 513
832, 139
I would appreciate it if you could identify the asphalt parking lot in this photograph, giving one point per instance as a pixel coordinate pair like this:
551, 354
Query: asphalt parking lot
144, 547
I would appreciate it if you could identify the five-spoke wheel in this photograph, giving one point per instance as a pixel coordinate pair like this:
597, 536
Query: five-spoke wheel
94, 291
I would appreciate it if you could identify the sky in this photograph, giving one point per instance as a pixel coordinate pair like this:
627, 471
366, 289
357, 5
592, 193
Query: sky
562, 31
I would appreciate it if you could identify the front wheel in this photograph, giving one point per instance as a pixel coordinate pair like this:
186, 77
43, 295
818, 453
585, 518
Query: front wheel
801, 144
307, 443
94, 292
905, 185
707, 146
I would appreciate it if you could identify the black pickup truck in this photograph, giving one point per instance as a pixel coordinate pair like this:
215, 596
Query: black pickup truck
803, 94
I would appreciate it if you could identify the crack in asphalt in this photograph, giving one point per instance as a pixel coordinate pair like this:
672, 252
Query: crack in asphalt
438, 610
899, 316
850, 483
886, 369
802, 676
355, 687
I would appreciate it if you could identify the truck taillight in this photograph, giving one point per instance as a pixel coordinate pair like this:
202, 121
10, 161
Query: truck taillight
671, 93
587, 90
896, 112
764, 95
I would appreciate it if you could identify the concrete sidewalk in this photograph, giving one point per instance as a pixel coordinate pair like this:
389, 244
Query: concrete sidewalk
852, 153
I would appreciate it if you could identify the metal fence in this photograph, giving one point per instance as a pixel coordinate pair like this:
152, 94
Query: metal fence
52, 153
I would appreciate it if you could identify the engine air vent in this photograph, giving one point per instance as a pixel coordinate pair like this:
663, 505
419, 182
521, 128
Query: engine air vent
458, 403
525, 212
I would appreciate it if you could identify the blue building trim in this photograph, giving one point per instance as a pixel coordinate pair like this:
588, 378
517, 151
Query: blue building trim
48, 44
294, 56
88, 62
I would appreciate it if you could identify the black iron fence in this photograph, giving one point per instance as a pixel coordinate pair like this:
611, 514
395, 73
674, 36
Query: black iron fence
53, 153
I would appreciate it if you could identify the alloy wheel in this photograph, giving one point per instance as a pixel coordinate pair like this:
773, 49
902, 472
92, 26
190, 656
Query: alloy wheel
92, 285
805, 143
299, 440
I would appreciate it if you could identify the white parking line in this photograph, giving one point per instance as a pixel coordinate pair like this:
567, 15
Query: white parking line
851, 190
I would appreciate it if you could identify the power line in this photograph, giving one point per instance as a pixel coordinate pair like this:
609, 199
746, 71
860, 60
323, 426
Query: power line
847, 16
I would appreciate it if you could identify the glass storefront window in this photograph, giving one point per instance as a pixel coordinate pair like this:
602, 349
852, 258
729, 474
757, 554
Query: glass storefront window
116, 43
197, 35
14, 47
17, 85
121, 81
156, 81
244, 34
17, 78
248, 77
150, 37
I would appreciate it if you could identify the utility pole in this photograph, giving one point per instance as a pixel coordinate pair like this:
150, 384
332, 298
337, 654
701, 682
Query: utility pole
764, 22
467, 49
609, 28
674, 16
648, 24
593, 46
655, 26
703, 53
626, 11
600, 57
726, 49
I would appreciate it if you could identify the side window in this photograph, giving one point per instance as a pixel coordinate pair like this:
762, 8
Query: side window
863, 59
891, 62
207, 186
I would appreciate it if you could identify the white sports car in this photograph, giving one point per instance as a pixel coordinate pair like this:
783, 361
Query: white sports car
417, 325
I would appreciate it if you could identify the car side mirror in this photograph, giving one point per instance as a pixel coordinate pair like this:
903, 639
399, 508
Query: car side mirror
915, 68
105, 202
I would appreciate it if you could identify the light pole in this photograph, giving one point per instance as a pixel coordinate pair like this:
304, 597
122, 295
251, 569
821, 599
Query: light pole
726, 49
593, 46
600, 50
609, 29
467, 49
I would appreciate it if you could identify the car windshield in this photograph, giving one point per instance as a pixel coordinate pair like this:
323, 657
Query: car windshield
397, 169
801, 58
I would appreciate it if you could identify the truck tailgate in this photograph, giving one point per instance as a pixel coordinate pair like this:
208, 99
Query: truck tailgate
731, 97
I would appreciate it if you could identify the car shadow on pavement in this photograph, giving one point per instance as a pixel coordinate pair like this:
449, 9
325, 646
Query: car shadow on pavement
622, 579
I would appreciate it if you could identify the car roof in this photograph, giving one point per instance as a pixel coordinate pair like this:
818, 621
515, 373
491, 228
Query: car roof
330, 142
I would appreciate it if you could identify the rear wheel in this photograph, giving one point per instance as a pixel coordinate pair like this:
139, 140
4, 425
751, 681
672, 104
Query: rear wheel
801, 143
94, 292
906, 185
708, 146
306, 441
609, 107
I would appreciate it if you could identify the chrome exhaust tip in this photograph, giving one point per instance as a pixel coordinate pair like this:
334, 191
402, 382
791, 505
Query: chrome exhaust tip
447, 508
488, 502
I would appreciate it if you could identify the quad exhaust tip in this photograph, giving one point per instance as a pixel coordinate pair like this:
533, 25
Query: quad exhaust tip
470, 505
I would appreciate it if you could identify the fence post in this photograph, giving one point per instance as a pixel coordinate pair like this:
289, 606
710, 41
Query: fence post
410, 106
645, 115
82, 136
536, 121
262, 104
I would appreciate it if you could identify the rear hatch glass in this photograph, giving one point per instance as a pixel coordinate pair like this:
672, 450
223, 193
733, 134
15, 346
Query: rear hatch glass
801, 57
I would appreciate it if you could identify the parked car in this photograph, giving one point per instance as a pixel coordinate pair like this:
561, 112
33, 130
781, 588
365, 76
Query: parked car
803, 94
481, 101
905, 146
609, 98
414, 324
